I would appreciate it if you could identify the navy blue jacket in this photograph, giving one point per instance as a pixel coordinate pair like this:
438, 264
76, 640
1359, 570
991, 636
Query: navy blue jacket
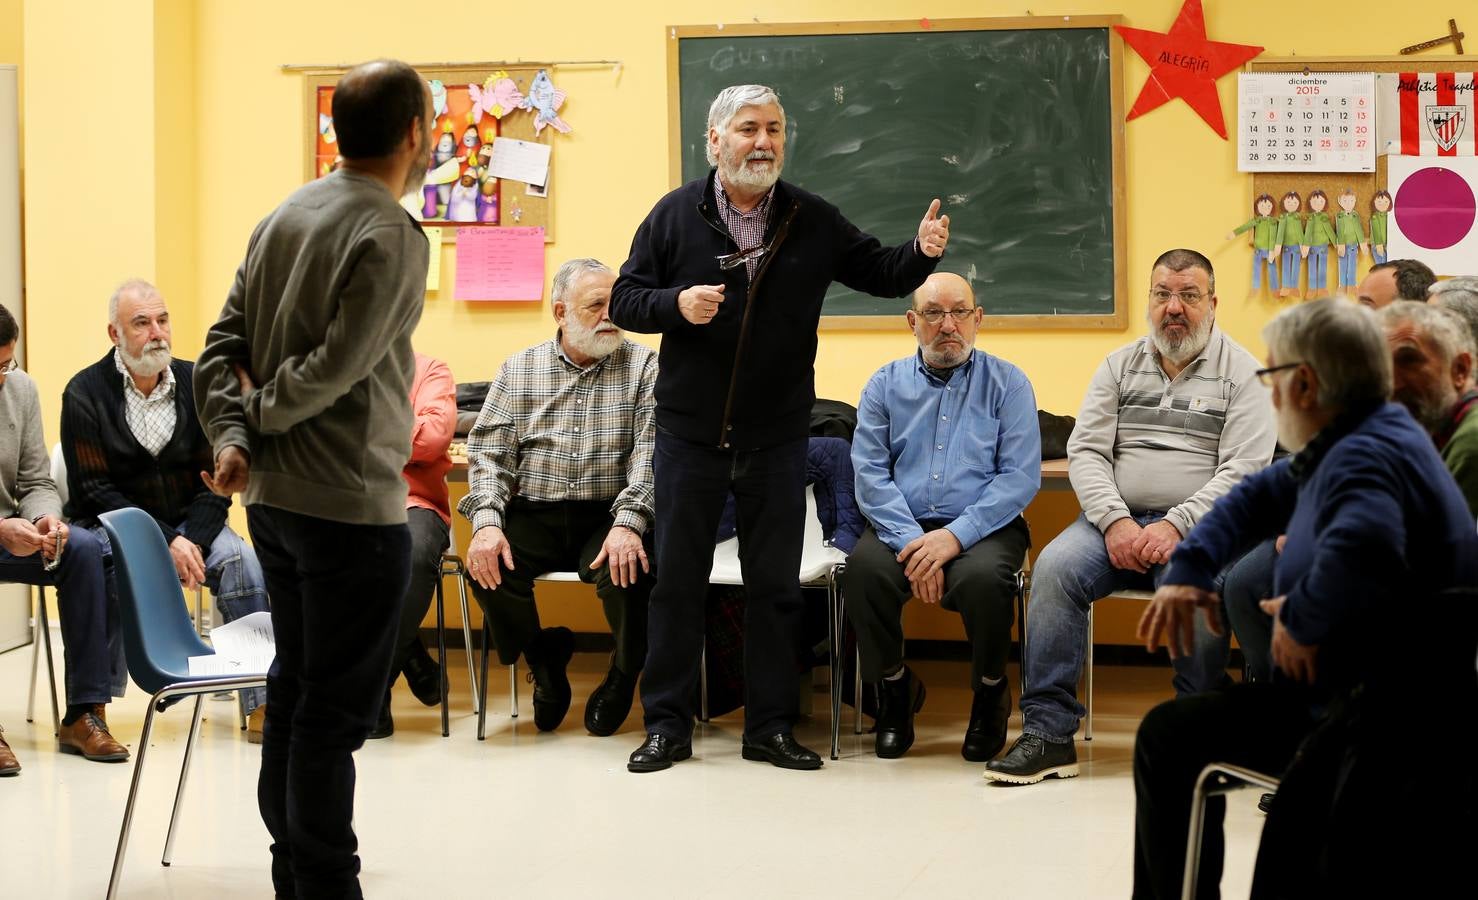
829, 472
1376, 526
746, 380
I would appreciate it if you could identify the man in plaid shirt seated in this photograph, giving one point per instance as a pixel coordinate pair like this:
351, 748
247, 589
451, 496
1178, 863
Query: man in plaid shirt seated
560, 478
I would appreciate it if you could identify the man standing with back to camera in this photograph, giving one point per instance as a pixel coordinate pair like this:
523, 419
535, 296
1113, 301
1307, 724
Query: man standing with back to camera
304, 390
731, 269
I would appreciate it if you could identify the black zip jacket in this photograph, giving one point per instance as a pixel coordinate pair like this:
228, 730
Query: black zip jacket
747, 379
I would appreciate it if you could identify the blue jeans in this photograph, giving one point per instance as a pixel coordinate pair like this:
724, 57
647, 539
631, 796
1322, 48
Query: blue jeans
1259, 259
1071, 573
1347, 264
85, 608
1318, 267
1292, 265
235, 579
1248, 581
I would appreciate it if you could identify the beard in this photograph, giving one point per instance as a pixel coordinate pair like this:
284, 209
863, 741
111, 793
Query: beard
1431, 410
1184, 349
737, 172
946, 353
416, 177
153, 358
596, 343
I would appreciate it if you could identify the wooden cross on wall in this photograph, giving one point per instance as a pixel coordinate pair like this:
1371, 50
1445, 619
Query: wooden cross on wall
1453, 37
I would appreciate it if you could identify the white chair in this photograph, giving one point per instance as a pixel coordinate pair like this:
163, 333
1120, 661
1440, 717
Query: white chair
1216, 779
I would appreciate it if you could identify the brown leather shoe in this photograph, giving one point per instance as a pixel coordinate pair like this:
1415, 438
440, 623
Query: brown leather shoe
9, 765
88, 737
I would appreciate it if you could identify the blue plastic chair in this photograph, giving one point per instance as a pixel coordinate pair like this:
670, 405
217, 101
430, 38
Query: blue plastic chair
158, 641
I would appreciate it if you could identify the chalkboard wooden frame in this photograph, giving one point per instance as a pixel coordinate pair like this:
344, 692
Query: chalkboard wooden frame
1118, 319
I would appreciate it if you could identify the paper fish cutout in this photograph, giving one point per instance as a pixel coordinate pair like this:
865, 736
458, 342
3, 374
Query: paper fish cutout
326, 128
544, 100
438, 97
497, 97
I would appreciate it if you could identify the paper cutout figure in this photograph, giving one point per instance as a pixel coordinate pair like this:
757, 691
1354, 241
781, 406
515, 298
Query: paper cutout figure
326, 128
1264, 228
436, 191
1349, 234
1318, 235
487, 200
1289, 241
544, 100
498, 96
438, 96
1380, 208
1184, 64
462, 207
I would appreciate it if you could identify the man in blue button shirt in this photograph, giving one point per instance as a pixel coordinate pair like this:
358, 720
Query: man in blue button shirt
948, 455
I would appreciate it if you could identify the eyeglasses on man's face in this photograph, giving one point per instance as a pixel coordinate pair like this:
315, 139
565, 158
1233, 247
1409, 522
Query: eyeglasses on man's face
935, 316
1265, 375
1187, 298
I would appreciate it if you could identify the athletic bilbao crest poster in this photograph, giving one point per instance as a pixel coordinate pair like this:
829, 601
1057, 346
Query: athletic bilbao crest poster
1426, 113
1446, 124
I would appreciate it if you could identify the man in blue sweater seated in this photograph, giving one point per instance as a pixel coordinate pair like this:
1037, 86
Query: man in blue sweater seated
1373, 520
947, 454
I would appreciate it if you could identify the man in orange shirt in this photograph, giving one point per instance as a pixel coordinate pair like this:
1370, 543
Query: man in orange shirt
429, 515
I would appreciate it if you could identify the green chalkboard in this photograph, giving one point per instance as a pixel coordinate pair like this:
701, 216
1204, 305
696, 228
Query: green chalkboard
1016, 127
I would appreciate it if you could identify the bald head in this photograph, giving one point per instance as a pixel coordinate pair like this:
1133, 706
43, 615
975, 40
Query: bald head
944, 318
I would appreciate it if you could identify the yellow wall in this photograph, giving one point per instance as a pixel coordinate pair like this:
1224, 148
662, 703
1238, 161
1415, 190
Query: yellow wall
11, 38
238, 144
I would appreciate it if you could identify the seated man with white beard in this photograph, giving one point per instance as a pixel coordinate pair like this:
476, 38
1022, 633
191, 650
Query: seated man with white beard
1170, 423
560, 479
131, 437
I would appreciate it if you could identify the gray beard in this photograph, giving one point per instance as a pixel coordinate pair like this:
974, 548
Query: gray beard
148, 363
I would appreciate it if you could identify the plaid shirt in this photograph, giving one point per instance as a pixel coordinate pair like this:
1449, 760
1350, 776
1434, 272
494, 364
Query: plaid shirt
551, 431
151, 418
746, 228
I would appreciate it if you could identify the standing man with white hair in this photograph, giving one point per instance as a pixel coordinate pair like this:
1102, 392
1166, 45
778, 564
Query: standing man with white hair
1170, 423
559, 478
131, 437
731, 269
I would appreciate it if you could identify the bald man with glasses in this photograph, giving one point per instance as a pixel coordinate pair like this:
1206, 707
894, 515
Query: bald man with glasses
947, 454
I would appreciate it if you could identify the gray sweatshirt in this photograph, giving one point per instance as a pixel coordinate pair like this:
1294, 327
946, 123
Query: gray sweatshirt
26, 488
1146, 443
321, 312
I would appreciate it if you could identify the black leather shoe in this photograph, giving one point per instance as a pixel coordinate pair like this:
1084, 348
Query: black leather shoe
989, 713
657, 753
384, 724
423, 675
781, 750
1265, 803
898, 700
1031, 759
547, 665
608, 707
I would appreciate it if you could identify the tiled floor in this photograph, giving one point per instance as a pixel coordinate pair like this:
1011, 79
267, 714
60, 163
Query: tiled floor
557, 815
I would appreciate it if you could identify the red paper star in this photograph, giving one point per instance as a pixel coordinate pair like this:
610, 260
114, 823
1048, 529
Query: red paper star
1184, 64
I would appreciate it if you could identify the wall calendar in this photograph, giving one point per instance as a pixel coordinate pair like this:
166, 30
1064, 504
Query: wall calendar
1306, 122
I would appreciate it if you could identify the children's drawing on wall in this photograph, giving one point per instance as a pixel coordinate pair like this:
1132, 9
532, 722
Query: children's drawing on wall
1290, 241
1380, 208
1264, 232
1318, 235
1349, 234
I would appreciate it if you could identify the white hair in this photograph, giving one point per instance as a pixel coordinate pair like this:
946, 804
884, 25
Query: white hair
728, 103
138, 286
1460, 300
1344, 346
569, 273
1443, 327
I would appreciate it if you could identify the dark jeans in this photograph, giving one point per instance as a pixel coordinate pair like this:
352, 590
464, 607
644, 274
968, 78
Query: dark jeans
336, 594
693, 482
979, 584
1256, 726
1247, 582
82, 599
429, 539
562, 537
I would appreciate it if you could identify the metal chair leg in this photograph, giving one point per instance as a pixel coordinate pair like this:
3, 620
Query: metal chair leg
56, 713
857, 690
835, 614
512, 690
133, 794
35, 652
467, 638
1023, 587
482, 712
179, 794
446, 729
1088, 724
703, 682
241, 708
1214, 781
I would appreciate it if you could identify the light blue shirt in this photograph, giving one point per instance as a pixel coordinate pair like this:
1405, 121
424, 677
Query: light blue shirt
965, 454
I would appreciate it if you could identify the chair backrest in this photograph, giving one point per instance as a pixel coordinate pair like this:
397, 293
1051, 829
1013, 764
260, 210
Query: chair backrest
59, 472
158, 639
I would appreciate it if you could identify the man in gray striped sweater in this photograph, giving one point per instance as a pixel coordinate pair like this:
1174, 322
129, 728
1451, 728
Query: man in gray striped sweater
1170, 423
